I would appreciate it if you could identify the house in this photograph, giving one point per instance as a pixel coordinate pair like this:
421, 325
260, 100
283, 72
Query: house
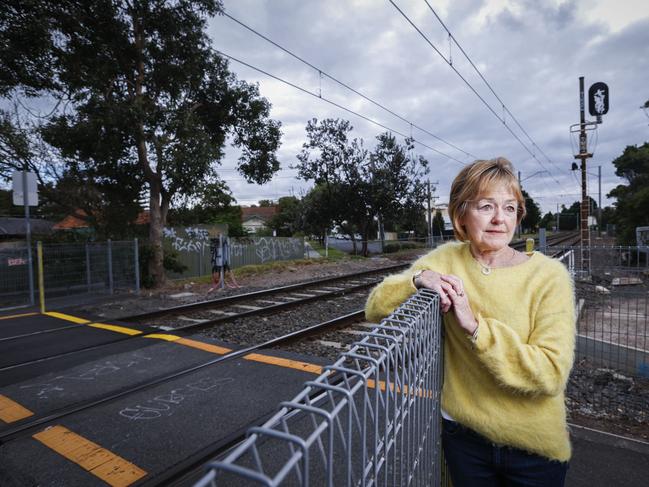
15, 228
77, 221
255, 218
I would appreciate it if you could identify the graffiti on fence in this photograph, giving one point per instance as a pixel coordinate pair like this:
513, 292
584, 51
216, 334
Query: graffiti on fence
268, 248
189, 239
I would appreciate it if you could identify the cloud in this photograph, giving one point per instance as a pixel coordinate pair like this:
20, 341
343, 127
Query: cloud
532, 54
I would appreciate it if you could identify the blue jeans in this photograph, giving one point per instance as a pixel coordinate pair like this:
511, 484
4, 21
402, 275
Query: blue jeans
474, 461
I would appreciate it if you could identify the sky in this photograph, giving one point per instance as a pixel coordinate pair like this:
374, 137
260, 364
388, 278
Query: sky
531, 52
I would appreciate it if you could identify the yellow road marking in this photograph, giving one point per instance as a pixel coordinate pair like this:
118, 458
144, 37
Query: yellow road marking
109, 467
284, 362
63, 316
17, 316
116, 328
11, 411
208, 347
163, 336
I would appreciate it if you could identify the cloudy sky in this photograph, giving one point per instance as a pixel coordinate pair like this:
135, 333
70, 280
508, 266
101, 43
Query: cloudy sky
531, 52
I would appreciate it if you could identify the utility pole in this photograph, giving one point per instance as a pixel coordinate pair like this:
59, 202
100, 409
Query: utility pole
583, 155
557, 217
599, 202
430, 220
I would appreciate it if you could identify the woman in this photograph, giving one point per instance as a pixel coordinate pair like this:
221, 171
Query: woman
509, 337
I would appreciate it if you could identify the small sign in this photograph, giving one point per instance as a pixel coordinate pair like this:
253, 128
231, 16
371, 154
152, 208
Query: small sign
18, 191
598, 99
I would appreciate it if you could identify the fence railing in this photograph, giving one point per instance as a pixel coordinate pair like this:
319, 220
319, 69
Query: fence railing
68, 269
371, 418
615, 261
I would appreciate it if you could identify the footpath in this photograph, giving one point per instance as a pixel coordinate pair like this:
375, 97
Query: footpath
607, 460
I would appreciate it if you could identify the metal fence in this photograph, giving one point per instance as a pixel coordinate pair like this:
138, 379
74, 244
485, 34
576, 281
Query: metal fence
371, 418
68, 269
615, 261
610, 378
196, 255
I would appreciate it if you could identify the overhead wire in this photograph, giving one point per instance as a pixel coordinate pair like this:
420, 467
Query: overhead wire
337, 105
470, 86
451, 36
345, 85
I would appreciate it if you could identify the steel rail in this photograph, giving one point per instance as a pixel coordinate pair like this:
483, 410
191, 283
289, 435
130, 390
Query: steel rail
195, 327
24, 429
256, 294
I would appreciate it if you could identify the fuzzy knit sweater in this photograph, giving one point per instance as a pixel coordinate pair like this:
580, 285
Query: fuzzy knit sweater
509, 385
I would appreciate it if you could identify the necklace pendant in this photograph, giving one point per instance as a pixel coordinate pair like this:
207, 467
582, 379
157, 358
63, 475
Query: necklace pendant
486, 270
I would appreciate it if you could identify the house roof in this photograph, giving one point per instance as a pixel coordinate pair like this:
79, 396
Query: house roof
16, 226
76, 220
264, 213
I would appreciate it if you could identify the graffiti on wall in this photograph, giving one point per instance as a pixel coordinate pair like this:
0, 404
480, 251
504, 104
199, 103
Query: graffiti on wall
188, 239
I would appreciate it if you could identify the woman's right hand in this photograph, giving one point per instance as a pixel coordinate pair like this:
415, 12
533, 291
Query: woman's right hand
442, 284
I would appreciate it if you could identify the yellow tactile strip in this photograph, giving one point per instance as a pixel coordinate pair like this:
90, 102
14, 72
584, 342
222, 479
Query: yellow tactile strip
11, 411
109, 467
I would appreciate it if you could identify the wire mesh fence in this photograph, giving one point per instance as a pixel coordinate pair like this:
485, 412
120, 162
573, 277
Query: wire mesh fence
371, 418
196, 256
610, 378
70, 269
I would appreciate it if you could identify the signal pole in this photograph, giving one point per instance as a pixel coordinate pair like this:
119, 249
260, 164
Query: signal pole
583, 155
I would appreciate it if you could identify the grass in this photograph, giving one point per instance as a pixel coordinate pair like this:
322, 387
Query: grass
334, 254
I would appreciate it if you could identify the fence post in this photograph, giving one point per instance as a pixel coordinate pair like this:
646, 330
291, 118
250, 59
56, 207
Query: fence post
543, 244
137, 266
109, 249
41, 281
88, 275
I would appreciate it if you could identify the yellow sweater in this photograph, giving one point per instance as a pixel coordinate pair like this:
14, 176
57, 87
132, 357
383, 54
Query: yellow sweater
510, 386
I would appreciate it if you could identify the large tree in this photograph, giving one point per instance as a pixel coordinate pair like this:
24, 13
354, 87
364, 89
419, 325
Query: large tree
144, 89
633, 197
361, 186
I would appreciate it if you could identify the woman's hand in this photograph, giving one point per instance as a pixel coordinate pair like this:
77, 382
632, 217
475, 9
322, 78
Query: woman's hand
442, 284
451, 293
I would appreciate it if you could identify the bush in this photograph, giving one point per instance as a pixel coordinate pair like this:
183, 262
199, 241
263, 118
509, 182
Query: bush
392, 247
170, 263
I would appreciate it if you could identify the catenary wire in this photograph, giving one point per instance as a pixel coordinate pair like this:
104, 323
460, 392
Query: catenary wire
489, 107
489, 85
353, 90
337, 105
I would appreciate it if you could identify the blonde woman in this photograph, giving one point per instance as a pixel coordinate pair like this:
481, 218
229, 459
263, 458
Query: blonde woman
509, 337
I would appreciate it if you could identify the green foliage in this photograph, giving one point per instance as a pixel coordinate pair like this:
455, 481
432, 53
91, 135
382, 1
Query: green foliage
171, 263
288, 220
355, 186
391, 247
146, 95
533, 216
438, 223
633, 197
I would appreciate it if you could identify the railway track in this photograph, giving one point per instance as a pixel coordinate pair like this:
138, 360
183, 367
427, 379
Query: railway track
231, 311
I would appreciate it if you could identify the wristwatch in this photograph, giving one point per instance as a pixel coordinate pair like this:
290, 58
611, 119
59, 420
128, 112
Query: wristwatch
416, 276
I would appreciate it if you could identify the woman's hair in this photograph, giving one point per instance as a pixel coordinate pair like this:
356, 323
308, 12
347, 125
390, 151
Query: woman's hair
475, 180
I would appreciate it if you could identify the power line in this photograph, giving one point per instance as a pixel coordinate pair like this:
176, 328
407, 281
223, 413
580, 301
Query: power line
353, 90
349, 110
488, 85
502, 120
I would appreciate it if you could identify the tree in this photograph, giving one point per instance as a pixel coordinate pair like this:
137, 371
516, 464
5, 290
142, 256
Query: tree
145, 90
438, 223
548, 221
288, 220
360, 187
533, 215
632, 198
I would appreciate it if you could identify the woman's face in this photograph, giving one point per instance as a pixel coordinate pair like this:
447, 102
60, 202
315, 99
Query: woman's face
490, 219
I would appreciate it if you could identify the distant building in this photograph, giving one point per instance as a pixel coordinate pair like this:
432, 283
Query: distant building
15, 228
77, 221
255, 218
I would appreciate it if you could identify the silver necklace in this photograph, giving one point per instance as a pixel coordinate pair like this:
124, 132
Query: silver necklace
486, 270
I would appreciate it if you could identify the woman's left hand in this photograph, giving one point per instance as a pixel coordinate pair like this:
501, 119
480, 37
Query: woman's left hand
462, 311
